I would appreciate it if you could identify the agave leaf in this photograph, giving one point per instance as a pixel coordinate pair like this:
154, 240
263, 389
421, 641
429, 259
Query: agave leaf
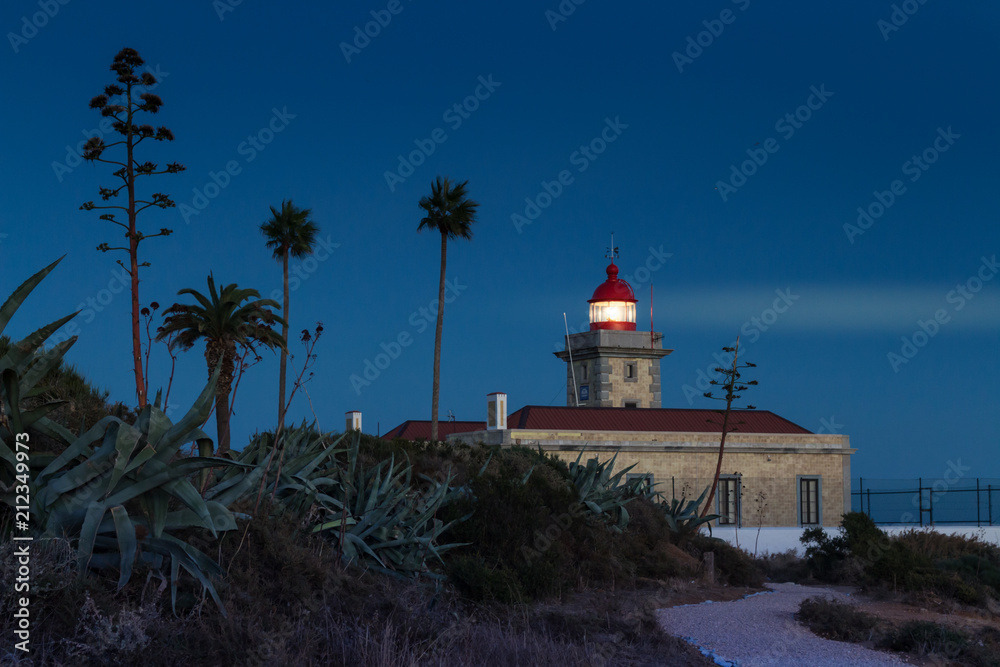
88, 533
21, 354
194, 561
360, 543
78, 447
156, 503
330, 525
153, 422
221, 518
125, 440
524, 480
175, 436
126, 543
44, 363
15, 300
54, 430
483, 469
11, 386
156, 474
30, 418
330, 451
144, 455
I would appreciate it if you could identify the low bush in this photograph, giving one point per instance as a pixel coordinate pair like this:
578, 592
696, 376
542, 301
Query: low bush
960, 568
925, 638
836, 620
733, 566
786, 566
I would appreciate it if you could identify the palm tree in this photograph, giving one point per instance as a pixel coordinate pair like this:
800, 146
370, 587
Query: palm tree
225, 321
448, 212
289, 232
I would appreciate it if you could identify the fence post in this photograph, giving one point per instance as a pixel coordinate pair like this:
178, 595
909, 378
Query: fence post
869, 502
989, 500
861, 491
920, 495
930, 498
978, 522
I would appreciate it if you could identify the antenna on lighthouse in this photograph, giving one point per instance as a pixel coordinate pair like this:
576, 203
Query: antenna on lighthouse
569, 348
612, 252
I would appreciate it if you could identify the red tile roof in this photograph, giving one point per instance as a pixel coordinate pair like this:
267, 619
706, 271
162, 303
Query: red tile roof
414, 429
539, 417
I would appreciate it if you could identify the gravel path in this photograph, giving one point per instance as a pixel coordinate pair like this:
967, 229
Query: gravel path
762, 630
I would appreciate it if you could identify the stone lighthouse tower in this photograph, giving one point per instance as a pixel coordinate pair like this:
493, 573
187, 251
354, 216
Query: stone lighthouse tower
613, 365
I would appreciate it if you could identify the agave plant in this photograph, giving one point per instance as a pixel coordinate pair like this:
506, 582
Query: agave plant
394, 526
124, 494
683, 519
21, 368
602, 492
299, 470
377, 515
118, 491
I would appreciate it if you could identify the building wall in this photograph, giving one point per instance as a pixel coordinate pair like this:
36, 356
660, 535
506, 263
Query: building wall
683, 464
682, 474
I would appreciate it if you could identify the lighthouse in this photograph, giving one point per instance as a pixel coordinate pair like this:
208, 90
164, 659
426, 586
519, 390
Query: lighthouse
613, 365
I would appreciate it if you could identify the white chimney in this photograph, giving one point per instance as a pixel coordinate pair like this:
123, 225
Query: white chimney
496, 411
353, 420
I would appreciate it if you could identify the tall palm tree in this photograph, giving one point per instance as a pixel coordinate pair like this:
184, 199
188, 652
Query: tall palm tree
451, 214
289, 232
226, 318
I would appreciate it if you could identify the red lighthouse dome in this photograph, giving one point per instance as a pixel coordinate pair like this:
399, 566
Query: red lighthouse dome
613, 304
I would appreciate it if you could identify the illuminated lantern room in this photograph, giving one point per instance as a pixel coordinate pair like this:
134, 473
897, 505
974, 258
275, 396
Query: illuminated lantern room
613, 304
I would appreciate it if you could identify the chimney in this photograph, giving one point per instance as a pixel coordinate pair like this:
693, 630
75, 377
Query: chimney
496, 411
353, 420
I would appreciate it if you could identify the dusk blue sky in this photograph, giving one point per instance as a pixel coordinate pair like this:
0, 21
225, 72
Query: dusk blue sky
879, 96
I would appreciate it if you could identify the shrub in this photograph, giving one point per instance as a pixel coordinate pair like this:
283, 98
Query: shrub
823, 553
734, 566
925, 637
860, 534
520, 515
836, 620
786, 566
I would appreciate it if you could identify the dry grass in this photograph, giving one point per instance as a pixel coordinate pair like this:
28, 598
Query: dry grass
290, 601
